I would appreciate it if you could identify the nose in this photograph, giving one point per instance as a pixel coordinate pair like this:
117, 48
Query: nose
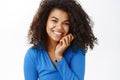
59, 26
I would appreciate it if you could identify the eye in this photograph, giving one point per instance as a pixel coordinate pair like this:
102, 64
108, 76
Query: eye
54, 20
67, 23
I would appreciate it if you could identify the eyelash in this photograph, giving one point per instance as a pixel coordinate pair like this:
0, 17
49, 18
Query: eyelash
54, 20
64, 23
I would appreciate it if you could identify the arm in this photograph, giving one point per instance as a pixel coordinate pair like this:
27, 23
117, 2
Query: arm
76, 69
30, 72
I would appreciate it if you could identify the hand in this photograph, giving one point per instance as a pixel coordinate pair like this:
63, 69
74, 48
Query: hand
63, 45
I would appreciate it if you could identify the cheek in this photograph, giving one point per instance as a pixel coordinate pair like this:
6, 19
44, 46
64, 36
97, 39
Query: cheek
50, 25
66, 30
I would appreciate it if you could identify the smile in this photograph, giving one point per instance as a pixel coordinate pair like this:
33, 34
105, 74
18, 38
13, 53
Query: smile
57, 33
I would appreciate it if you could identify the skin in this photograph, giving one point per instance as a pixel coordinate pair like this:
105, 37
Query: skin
59, 37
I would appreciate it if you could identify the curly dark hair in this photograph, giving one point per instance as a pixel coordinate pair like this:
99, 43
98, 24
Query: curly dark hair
80, 23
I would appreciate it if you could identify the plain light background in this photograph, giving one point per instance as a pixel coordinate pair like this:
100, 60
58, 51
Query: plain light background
103, 63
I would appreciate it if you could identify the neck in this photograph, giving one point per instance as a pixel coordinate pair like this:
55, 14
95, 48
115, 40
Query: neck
51, 45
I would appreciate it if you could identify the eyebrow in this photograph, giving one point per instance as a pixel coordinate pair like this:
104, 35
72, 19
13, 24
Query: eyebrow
54, 17
58, 19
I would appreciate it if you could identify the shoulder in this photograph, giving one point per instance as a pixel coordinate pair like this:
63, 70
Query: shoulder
31, 54
31, 51
34, 51
71, 53
74, 50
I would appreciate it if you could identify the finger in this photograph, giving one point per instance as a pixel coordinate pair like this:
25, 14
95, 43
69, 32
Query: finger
72, 37
68, 40
61, 42
64, 40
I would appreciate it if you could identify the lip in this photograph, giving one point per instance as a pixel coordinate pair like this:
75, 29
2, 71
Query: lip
58, 33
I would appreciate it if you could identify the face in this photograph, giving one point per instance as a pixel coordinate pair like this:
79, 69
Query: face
57, 24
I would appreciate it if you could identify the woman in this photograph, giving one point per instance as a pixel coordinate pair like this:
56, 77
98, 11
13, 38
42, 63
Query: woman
60, 33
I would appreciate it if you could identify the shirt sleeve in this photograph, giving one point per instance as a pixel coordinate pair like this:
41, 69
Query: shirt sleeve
30, 72
76, 69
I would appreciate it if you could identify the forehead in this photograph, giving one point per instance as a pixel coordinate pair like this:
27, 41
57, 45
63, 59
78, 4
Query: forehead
60, 14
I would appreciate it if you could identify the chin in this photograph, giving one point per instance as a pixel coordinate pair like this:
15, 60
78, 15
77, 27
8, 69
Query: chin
56, 39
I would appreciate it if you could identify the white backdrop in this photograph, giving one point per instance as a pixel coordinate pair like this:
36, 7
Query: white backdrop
101, 64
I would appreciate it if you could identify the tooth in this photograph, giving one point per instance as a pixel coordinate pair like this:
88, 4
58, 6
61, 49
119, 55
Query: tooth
57, 33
